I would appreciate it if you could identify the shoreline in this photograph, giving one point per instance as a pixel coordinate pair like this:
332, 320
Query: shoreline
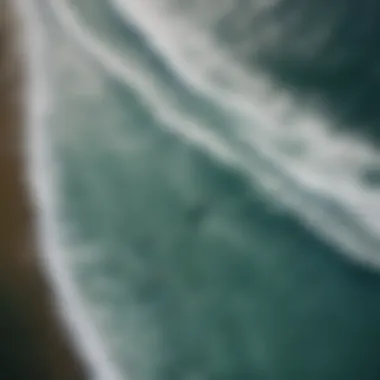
27, 307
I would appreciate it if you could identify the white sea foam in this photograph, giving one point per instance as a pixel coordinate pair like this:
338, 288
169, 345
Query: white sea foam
262, 102
330, 166
289, 178
39, 101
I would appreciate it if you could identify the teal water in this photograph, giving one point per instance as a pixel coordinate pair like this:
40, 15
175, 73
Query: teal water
204, 215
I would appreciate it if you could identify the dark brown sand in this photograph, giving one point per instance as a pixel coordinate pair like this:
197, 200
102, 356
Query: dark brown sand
32, 344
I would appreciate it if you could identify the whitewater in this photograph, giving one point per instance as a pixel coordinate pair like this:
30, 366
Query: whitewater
202, 97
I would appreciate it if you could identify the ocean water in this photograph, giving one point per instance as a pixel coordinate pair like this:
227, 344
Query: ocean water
206, 181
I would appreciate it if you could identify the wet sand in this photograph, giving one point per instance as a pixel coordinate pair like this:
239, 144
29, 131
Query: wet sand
32, 344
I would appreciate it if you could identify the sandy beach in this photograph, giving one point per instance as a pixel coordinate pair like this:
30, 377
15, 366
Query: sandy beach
32, 344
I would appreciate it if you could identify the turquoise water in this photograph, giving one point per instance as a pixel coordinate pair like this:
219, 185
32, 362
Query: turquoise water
204, 215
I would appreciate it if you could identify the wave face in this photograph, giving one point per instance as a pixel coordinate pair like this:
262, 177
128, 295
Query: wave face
207, 179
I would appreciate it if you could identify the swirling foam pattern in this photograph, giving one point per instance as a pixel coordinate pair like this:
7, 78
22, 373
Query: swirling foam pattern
205, 212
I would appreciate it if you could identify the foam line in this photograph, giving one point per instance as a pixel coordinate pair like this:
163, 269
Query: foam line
39, 101
259, 122
41, 172
41, 169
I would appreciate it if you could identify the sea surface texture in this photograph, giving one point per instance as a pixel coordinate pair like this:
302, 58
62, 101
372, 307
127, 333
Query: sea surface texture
207, 179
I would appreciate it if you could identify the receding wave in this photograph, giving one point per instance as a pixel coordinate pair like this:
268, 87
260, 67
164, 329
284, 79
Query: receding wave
130, 101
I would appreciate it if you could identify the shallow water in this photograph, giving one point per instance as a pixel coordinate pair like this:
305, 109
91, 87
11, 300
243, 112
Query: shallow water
206, 208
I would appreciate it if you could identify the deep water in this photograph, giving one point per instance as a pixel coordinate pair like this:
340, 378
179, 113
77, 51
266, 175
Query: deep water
203, 186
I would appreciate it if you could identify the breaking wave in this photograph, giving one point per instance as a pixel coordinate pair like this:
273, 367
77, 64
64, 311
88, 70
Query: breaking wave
145, 93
